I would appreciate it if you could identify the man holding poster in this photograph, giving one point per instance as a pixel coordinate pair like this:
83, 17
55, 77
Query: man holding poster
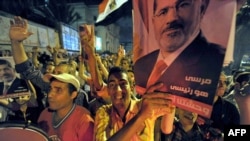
189, 65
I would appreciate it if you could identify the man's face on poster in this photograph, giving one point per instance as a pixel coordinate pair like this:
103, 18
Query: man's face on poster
176, 21
7, 73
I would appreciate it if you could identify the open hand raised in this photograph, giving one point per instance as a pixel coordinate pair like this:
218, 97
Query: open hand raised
19, 29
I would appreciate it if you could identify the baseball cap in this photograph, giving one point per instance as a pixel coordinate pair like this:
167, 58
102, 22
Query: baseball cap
64, 77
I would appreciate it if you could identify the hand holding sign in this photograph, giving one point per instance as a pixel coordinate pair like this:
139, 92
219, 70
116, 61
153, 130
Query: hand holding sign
87, 34
87, 38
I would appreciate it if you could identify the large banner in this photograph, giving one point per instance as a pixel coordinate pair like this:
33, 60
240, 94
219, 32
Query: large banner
182, 45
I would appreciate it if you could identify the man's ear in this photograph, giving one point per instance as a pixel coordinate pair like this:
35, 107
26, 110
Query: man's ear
204, 5
74, 94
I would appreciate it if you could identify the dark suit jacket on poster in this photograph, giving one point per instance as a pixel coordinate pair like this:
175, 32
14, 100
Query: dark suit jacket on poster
198, 63
18, 86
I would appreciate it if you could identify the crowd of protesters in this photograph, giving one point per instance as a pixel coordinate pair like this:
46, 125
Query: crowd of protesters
94, 98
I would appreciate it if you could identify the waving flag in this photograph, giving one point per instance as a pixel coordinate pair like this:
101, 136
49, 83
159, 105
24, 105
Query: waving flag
111, 10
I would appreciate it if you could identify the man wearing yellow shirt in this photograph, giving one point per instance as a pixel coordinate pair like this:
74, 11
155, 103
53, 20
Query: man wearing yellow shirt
127, 118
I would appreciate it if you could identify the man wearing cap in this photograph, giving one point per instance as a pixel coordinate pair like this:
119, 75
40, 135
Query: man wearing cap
19, 32
64, 120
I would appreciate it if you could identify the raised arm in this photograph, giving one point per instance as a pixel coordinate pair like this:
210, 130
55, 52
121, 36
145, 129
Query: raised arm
120, 55
18, 32
82, 70
87, 43
103, 68
35, 60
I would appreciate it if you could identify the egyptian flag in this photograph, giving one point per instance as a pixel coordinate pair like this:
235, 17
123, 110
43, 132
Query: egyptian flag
111, 10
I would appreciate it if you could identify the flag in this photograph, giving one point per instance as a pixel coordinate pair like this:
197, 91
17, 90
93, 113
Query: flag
111, 10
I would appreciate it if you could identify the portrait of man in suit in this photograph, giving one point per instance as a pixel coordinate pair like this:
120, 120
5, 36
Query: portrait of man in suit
189, 64
10, 85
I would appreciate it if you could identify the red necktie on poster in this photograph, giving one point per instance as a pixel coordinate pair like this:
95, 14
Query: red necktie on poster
5, 90
157, 72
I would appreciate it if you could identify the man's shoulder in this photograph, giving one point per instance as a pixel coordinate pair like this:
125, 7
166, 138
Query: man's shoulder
20, 80
104, 110
151, 54
106, 107
46, 114
209, 46
148, 57
213, 47
82, 110
228, 103
82, 114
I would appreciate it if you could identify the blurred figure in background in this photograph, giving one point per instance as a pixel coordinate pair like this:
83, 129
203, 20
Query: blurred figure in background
185, 128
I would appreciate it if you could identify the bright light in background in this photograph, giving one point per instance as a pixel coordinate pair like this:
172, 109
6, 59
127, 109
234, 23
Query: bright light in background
70, 38
98, 43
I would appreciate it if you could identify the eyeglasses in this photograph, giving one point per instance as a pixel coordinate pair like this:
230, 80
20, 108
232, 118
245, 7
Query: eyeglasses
181, 7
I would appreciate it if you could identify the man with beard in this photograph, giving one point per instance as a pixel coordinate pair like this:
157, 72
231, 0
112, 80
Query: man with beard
186, 56
10, 84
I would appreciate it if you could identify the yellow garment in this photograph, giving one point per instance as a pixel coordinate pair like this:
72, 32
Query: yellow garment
108, 122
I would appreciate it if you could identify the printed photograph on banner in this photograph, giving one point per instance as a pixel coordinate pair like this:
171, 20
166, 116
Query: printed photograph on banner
174, 45
87, 38
11, 85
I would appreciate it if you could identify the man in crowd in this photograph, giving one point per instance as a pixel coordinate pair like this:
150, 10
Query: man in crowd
224, 113
19, 32
127, 118
185, 128
10, 84
64, 120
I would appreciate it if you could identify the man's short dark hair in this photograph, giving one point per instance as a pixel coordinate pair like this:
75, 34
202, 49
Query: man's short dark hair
120, 70
116, 70
5, 62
